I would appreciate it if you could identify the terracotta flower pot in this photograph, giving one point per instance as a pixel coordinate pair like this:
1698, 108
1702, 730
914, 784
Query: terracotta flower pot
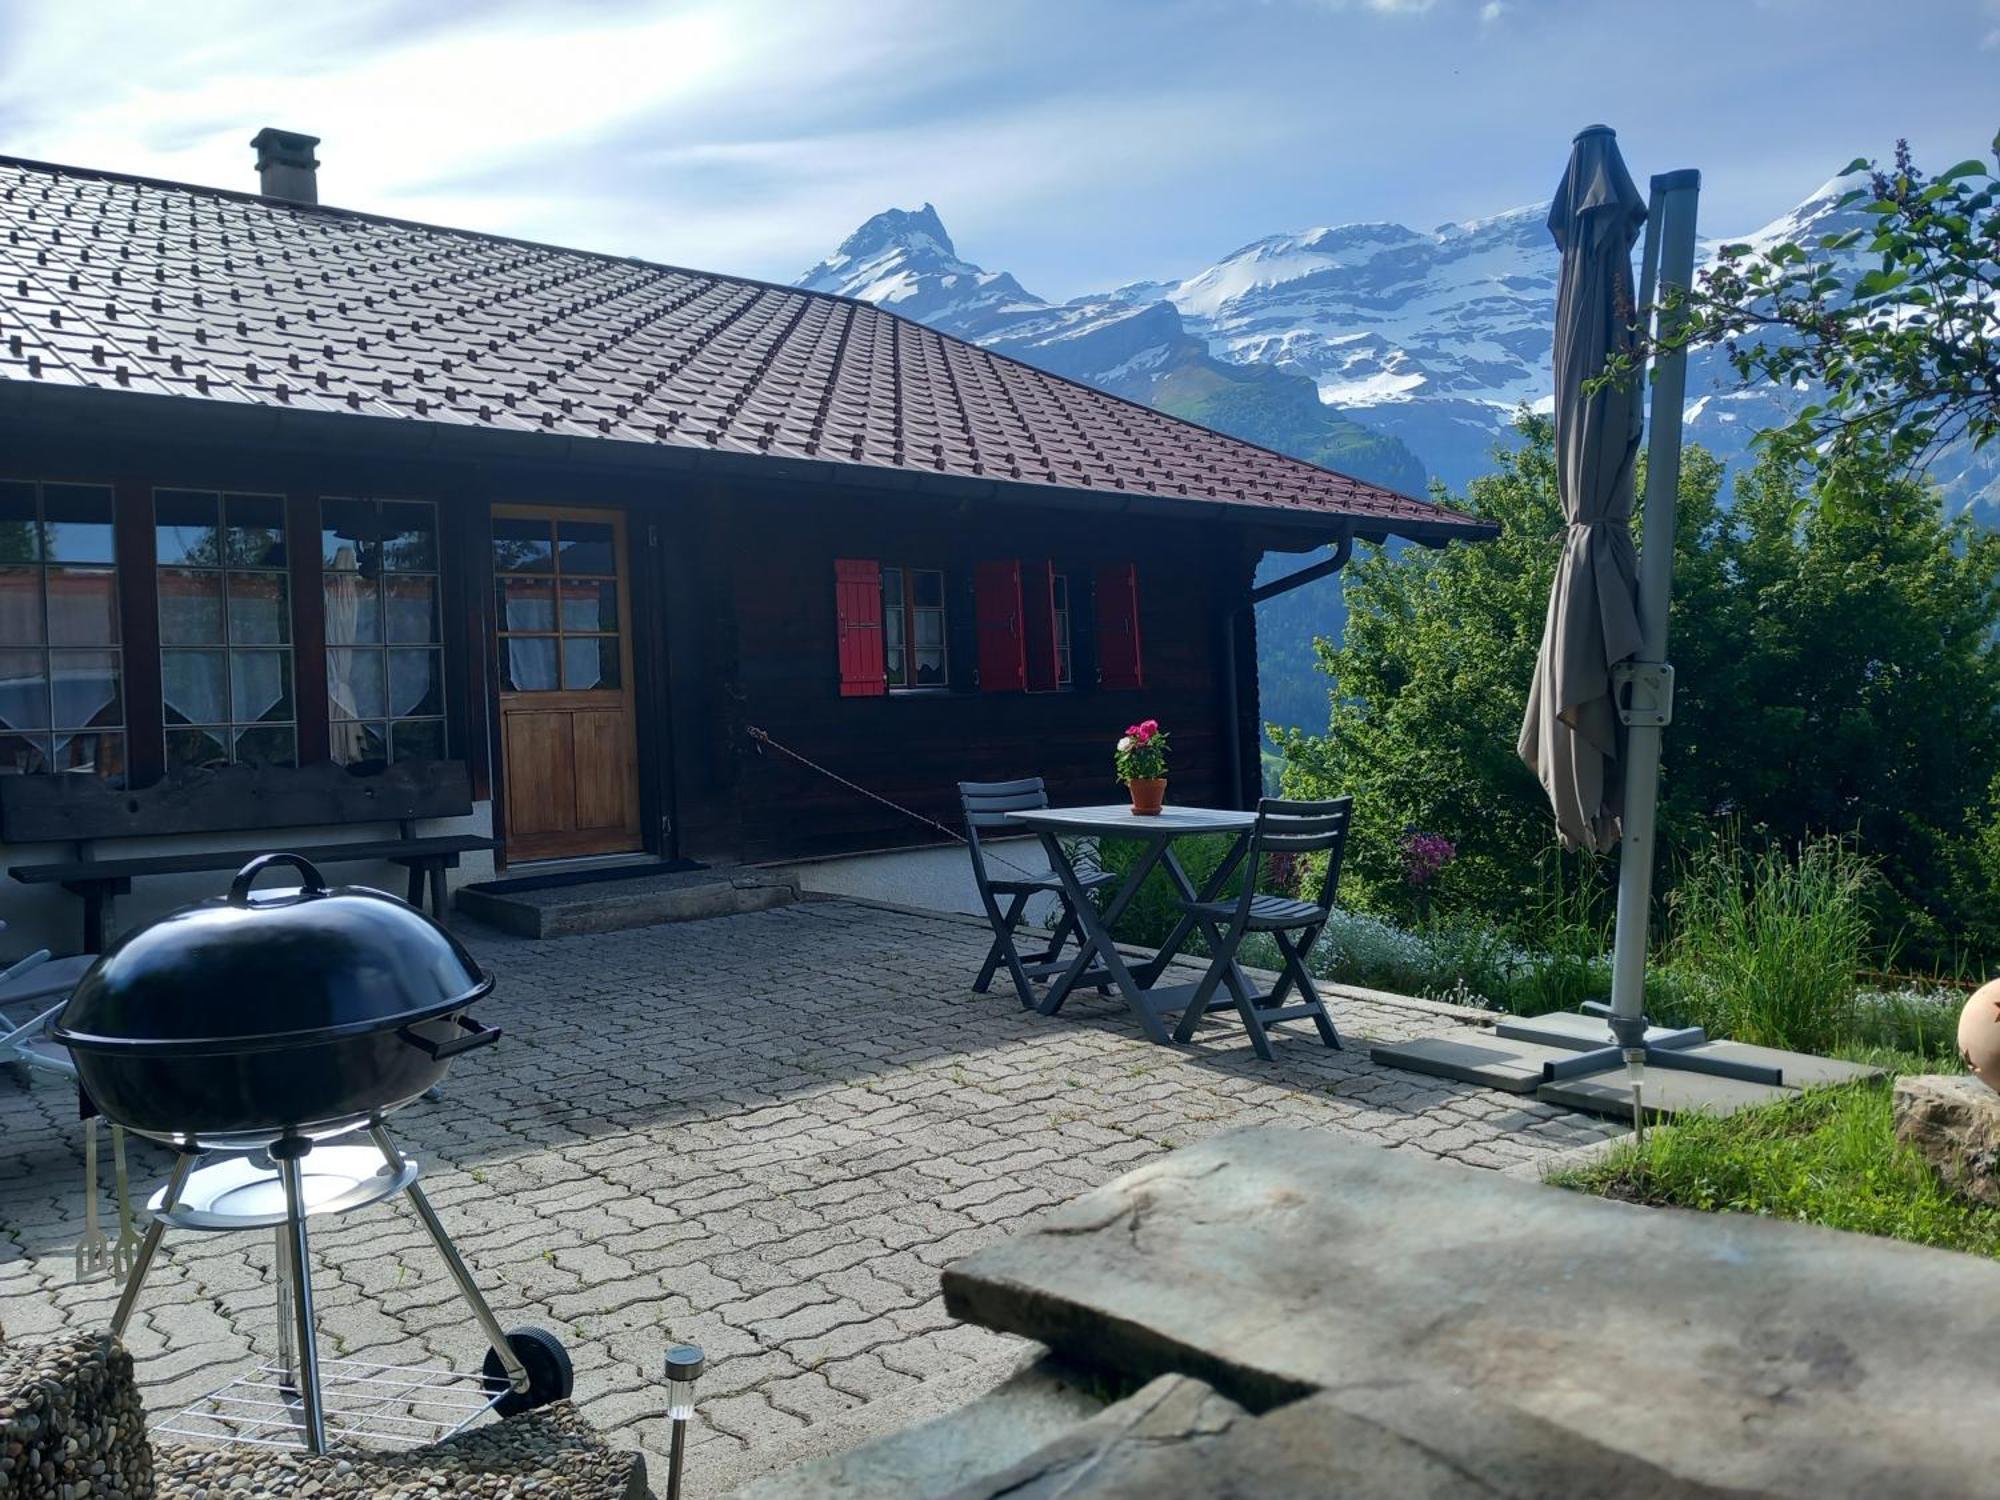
1149, 794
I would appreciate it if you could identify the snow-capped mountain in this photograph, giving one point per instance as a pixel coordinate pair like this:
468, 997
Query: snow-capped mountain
1431, 338
1133, 346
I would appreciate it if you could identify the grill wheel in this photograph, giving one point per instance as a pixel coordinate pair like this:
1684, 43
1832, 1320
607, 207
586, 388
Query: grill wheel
550, 1377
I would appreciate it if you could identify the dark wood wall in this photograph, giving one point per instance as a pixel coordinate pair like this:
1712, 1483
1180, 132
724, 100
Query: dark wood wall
776, 577
735, 626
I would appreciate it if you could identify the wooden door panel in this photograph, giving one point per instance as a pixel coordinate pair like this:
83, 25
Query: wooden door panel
570, 747
606, 769
541, 773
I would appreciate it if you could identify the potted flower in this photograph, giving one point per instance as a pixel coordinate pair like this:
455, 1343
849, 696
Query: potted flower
1141, 760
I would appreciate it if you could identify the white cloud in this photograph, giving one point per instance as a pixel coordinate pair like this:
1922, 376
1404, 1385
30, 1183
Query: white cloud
1491, 11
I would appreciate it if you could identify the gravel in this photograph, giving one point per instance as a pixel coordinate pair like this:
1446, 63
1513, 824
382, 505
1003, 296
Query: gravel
71, 1426
550, 1454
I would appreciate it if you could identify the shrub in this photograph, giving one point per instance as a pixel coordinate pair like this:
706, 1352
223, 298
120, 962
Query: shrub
1766, 947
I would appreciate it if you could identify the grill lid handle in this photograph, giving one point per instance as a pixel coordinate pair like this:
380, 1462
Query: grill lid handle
239, 888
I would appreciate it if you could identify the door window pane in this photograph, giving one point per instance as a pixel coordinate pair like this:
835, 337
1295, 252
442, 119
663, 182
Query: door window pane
260, 611
526, 604
83, 606
76, 523
528, 664
587, 547
20, 523
411, 605
195, 749
589, 604
195, 686
223, 586
354, 684
191, 607
382, 591
61, 670
24, 689
590, 661
523, 545
416, 684
20, 606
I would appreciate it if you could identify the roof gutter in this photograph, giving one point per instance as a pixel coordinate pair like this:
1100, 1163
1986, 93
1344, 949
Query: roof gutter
189, 419
1232, 692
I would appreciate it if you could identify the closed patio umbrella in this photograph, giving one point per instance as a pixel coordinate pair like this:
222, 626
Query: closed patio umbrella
1603, 692
1571, 737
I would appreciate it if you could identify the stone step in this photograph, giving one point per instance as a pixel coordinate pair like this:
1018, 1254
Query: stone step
623, 898
1703, 1352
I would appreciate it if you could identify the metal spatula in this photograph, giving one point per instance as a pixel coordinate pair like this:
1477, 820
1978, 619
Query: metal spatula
126, 1251
93, 1251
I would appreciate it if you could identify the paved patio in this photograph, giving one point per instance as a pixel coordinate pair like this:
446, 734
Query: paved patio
765, 1134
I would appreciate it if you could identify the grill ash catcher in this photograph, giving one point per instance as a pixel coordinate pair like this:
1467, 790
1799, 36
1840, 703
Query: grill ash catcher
261, 1027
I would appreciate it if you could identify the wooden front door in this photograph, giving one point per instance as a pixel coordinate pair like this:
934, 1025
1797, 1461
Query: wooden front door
568, 734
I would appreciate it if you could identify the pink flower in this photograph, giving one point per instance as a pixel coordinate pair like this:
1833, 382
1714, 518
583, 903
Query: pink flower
1147, 729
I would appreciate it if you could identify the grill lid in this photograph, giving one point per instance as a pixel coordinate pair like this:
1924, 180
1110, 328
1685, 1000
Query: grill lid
282, 968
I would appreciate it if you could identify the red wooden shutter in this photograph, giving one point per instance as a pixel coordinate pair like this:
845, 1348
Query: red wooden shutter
857, 604
996, 605
1038, 623
1119, 660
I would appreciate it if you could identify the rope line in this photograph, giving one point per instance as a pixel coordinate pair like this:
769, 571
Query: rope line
762, 738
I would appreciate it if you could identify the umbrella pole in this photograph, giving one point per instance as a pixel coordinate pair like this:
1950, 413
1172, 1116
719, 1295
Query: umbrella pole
1649, 678
1646, 681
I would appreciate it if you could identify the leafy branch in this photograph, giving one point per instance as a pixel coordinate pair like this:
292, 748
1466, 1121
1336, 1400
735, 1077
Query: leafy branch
1902, 358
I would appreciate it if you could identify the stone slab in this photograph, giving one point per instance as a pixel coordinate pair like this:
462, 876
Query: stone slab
1801, 1070
627, 902
1033, 1408
1720, 1350
1668, 1092
1177, 1437
1493, 1062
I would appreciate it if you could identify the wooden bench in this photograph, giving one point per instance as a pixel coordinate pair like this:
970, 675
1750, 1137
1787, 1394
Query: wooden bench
85, 813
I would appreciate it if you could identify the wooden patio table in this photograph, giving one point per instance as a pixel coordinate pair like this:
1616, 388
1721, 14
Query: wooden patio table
1099, 958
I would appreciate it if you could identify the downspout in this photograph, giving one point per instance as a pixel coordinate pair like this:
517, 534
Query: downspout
1232, 692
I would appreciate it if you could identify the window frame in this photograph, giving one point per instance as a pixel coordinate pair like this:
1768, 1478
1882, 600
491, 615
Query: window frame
50, 651
905, 613
1061, 614
224, 569
384, 646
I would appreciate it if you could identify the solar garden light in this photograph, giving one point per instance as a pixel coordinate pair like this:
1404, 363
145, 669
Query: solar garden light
1635, 1074
684, 1367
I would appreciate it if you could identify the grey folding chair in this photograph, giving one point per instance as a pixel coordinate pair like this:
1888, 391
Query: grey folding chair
986, 805
31, 992
1282, 828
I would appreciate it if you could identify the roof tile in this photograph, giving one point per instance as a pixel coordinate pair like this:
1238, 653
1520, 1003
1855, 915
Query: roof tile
127, 284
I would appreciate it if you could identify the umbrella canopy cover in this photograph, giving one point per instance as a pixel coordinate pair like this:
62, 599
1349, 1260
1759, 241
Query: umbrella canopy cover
1571, 735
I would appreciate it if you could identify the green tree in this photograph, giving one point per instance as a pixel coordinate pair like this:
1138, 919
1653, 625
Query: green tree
1836, 672
1901, 348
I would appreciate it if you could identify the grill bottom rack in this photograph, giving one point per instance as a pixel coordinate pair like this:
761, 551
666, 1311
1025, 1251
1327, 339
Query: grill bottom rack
375, 1405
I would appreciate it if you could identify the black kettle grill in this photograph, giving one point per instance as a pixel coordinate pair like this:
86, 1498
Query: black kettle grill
261, 1023
247, 1019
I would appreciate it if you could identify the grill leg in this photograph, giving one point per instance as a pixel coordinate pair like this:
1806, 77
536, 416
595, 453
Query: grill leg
517, 1373
148, 1247
281, 1278
302, 1303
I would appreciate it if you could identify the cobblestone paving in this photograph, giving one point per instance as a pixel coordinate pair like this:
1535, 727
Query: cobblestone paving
763, 1133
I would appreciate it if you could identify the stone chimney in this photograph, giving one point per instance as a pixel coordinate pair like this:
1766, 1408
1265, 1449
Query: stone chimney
286, 167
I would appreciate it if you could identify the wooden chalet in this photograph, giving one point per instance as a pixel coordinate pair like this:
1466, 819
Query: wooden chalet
317, 526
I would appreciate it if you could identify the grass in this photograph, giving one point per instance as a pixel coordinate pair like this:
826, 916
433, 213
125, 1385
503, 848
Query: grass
1828, 1157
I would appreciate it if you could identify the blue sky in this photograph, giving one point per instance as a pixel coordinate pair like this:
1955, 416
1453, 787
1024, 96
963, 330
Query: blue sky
1077, 143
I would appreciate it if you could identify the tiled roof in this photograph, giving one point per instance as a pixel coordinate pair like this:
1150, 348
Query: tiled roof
127, 284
